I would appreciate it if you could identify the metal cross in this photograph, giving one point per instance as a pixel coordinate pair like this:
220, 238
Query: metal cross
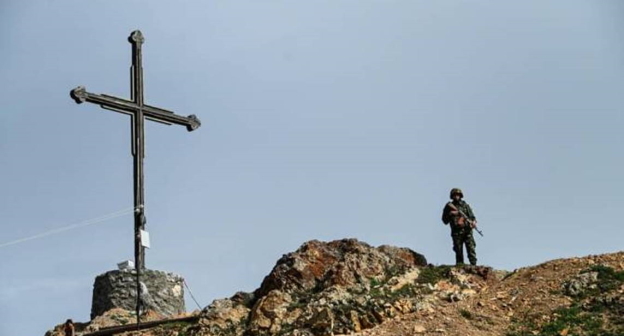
139, 111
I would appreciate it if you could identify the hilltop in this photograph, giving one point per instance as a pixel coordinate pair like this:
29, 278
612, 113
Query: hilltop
349, 287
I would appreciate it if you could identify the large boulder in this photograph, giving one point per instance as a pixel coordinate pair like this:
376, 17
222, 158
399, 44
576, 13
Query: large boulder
320, 289
333, 287
316, 266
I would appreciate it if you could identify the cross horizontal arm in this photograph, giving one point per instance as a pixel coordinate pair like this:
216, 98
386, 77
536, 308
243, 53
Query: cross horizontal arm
80, 95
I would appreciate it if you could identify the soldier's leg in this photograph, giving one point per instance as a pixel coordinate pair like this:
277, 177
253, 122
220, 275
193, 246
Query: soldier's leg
471, 246
458, 248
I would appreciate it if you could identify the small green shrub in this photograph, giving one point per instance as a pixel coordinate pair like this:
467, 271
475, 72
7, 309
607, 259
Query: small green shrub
374, 282
466, 314
433, 274
572, 317
406, 291
376, 289
608, 278
376, 292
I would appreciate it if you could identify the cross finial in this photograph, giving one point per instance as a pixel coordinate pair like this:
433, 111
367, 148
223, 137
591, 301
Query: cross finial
136, 37
79, 94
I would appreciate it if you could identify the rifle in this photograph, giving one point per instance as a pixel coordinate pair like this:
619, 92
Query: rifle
452, 206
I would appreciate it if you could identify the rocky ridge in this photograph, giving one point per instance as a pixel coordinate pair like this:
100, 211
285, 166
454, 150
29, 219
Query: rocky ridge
349, 287
321, 289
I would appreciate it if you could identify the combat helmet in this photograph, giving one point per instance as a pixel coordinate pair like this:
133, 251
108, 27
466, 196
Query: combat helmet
456, 191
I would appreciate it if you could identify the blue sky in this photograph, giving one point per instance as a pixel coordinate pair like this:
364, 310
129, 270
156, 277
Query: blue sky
320, 120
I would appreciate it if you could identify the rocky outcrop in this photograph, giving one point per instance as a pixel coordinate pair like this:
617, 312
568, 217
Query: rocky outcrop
330, 288
580, 283
316, 266
323, 288
349, 287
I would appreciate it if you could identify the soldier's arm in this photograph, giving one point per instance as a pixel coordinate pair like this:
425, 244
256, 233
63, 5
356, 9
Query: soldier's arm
469, 212
445, 214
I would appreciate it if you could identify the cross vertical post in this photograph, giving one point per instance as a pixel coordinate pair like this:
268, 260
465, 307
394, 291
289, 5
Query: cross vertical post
138, 147
138, 153
138, 111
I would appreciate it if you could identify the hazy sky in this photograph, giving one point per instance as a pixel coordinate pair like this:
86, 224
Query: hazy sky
320, 120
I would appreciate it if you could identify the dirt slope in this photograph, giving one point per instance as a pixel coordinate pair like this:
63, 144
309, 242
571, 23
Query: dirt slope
525, 295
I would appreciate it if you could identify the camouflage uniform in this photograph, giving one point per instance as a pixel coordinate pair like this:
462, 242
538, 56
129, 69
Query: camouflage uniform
461, 234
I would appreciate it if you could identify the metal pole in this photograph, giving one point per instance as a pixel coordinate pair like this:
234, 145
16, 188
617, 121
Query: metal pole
136, 38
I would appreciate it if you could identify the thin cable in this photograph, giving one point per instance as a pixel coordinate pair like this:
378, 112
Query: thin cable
73, 226
191, 293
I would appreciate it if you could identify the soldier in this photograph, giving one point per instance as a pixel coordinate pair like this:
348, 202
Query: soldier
461, 227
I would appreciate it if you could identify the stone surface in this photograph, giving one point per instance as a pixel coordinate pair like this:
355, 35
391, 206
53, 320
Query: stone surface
226, 316
269, 313
162, 292
419, 329
580, 283
346, 263
324, 288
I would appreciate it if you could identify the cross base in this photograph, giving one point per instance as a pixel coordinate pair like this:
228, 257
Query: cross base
161, 292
